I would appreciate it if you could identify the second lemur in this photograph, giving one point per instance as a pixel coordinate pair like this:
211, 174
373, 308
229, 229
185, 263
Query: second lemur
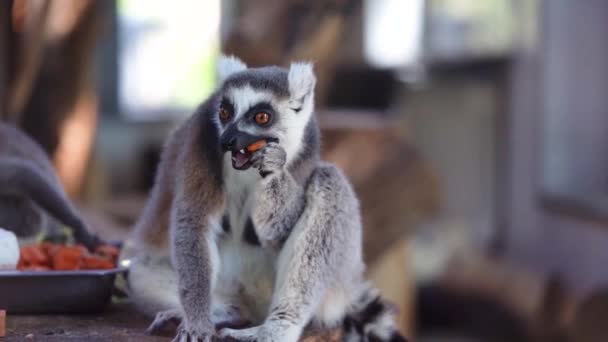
32, 200
253, 246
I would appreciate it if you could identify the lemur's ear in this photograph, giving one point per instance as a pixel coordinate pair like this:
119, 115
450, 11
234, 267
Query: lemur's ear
302, 81
228, 65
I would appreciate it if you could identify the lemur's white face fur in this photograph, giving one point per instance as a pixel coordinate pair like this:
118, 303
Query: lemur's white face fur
268, 103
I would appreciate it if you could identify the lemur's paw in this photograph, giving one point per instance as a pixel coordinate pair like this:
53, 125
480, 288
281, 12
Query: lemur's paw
194, 335
269, 159
165, 321
239, 335
89, 240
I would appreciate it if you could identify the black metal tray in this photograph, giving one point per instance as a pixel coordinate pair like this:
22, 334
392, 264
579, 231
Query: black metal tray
54, 292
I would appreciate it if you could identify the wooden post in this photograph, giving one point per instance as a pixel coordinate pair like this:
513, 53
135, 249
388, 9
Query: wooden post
5, 11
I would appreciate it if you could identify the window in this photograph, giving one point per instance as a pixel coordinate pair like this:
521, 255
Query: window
163, 60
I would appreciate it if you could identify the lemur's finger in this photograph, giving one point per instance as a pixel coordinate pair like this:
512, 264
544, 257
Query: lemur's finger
164, 320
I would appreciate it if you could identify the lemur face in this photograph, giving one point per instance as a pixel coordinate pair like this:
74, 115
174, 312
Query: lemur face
269, 103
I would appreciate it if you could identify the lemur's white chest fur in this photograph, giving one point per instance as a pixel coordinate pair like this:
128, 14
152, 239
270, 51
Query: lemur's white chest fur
246, 274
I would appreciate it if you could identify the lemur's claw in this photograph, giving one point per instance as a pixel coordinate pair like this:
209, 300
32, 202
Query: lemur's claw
90, 241
193, 336
165, 321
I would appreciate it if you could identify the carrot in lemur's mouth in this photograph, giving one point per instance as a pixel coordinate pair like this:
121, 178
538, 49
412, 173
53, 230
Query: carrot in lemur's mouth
256, 145
241, 160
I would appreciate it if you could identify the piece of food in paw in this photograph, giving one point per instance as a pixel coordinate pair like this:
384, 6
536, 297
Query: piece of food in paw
9, 250
256, 145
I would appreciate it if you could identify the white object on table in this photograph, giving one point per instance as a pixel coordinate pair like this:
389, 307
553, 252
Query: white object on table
9, 250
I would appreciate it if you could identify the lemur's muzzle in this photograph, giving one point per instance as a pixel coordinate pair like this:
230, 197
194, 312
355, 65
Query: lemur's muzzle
236, 142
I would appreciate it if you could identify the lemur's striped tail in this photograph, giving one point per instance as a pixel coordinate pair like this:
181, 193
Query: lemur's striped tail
371, 320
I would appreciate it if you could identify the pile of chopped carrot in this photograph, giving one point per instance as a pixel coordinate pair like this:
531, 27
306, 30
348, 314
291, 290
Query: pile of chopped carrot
48, 256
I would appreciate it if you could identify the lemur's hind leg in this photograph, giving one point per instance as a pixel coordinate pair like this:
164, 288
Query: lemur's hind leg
152, 284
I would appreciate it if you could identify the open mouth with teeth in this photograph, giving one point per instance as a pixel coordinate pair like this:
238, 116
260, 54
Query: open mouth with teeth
241, 159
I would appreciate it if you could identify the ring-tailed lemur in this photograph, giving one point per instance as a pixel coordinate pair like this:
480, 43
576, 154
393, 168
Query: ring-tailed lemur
30, 189
268, 241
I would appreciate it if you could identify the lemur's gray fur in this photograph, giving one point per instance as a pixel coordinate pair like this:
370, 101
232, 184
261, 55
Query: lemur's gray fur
31, 197
268, 241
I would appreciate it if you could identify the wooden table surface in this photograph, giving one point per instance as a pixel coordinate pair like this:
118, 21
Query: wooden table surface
120, 322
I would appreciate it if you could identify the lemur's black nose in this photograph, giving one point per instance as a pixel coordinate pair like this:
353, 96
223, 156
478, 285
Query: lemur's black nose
227, 145
233, 140
229, 138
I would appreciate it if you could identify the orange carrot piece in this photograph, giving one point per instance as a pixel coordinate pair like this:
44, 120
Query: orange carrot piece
81, 248
68, 258
49, 256
33, 255
256, 145
21, 265
36, 268
96, 263
49, 248
107, 251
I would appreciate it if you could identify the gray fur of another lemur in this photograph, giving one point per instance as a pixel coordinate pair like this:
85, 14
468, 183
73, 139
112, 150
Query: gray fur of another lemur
32, 200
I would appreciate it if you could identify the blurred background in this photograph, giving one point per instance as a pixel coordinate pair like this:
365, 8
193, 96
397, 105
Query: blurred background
475, 133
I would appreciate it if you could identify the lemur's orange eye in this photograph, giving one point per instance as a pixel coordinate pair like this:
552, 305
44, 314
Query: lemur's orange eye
262, 118
224, 114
